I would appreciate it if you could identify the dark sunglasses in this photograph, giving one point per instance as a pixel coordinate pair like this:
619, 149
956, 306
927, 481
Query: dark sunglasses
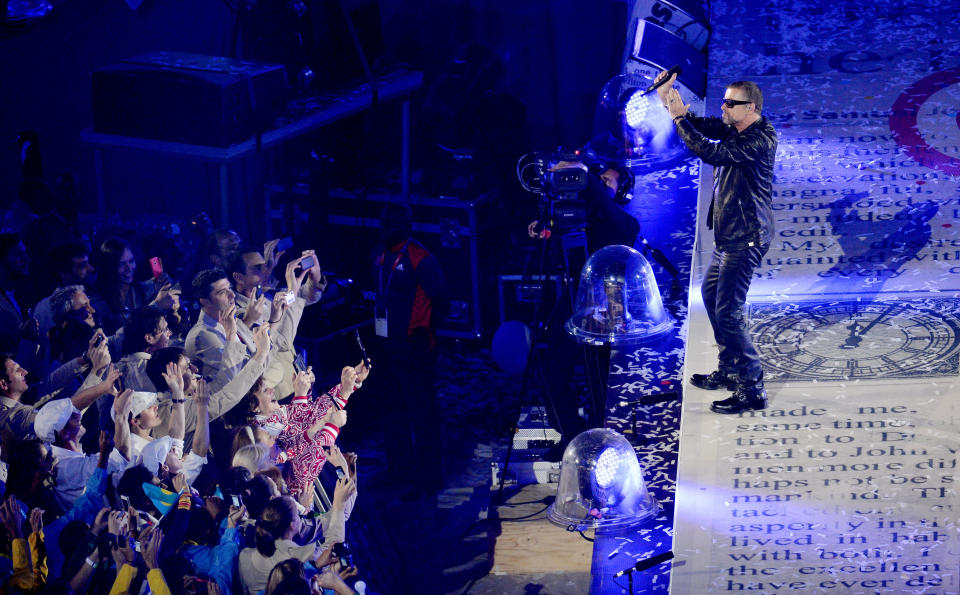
733, 102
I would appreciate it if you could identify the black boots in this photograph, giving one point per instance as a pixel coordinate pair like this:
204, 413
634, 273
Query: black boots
714, 380
743, 399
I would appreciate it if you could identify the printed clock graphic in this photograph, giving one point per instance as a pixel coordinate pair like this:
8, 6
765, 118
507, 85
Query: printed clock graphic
847, 340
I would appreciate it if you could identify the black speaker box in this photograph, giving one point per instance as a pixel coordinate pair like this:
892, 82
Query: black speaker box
187, 98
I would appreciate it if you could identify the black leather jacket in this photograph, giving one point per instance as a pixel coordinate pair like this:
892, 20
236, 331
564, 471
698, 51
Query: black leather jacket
740, 212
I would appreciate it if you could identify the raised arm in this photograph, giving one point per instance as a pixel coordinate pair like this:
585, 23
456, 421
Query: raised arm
201, 437
174, 378
226, 398
121, 422
86, 397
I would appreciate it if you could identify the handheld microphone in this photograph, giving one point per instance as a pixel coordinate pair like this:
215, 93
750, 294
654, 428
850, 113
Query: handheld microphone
673, 71
647, 563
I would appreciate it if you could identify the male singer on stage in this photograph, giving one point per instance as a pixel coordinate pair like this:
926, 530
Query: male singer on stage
742, 223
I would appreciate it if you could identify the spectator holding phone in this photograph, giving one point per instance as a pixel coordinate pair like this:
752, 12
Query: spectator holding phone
175, 377
118, 291
306, 426
221, 343
275, 528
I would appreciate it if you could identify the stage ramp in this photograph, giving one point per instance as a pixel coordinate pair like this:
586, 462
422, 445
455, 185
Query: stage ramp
846, 483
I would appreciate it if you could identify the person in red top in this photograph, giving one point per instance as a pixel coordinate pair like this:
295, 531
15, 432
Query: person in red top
409, 284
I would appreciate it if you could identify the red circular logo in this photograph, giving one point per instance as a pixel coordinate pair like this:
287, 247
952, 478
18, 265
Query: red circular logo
905, 128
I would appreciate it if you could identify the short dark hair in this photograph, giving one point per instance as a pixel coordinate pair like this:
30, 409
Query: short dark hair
236, 263
203, 282
143, 321
396, 221
752, 91
60, 258
3, 366
131, 486
211, 244
157, 365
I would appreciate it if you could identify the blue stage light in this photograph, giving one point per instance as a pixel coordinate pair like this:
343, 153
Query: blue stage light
601, 485
607, 465
636, 109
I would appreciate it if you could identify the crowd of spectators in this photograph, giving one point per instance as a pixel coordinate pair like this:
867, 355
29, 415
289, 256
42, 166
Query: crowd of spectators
159, 433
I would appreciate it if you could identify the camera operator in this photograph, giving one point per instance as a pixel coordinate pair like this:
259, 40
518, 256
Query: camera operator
606, 224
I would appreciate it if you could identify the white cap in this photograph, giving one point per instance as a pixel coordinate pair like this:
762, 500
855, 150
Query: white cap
52, 418
141, 402
155, 452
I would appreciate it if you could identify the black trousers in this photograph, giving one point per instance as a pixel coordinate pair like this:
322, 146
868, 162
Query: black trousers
724, 297
408, 413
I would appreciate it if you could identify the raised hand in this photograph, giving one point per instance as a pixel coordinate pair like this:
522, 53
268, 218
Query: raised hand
314, 271
303, 381
270, 254
122, 552
664, 90
336, 458
115, 521
294, 281
278, 306
36, 520
337, 417
675, 104
236, 516
11, 518
348, 379
151, 550
255, 308
362, 371
100, 522
228, 319
168, 298
123, 404
97, 351
113, 374
351, 458
202, 396
174, 377
346, 487
261, 338
106, 443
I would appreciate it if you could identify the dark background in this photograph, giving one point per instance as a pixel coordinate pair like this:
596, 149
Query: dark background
556, 55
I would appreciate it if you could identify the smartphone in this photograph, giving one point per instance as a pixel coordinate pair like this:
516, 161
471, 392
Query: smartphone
307, 262
284, 244
259, 291
340, 473
236, 500
290, 298
156, 266
363, 351
100, 337
343, 552
298, 364
126, 502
